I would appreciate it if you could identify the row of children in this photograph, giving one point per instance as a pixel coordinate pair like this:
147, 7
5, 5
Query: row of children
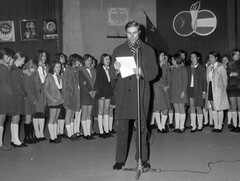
66, 92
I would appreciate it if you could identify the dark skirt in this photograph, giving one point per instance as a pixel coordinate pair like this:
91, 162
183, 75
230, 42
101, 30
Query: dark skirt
39, 115
210, 93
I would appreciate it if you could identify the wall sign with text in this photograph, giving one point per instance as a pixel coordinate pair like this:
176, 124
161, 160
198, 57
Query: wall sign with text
201, 22
117, 16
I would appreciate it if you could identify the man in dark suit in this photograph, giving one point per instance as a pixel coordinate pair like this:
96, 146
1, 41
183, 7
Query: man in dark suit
126, 92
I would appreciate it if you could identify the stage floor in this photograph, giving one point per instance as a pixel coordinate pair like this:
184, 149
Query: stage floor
181, 157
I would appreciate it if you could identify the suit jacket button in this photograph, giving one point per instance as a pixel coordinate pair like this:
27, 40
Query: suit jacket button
129, 89
129, 78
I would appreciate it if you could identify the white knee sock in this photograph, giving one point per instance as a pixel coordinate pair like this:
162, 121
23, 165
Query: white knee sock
88, 127
230, 116
11, 130
220, 119
238, 118
110, 123
55, 132
164, 120
41, 127
61, 126
200, 121
153, 118
205, 113
36, 127
177, 120
105, 123
100, 124
182, 120
72, 128
1, 135
84, 126
170, 116
193, 120
234, 117
215, 119
210, 116
15, 134
68, 128
158, 121
51, 131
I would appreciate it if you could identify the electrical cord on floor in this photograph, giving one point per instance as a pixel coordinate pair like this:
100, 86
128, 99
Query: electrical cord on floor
200, 172
190, 171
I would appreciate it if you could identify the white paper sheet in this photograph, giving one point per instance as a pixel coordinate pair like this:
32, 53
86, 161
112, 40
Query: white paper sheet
127, 65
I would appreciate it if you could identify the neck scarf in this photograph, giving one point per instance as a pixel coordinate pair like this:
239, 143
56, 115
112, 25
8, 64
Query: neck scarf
134, 47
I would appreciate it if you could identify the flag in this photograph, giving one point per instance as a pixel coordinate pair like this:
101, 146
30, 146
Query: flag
154, 39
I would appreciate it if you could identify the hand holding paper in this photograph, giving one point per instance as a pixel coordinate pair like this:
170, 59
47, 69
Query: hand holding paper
127, 66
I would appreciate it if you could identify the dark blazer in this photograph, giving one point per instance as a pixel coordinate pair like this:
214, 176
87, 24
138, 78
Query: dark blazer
200, 84
102, 86
7, 101
87, 85
42, 101
17, 78
126, 88
71, 89
30, 107
53, 94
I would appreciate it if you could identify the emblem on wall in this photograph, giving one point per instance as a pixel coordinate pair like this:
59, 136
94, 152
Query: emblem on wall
7, 31
201, 22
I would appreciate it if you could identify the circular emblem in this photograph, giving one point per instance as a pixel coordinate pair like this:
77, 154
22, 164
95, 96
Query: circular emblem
51, 27
201, 22
6, 31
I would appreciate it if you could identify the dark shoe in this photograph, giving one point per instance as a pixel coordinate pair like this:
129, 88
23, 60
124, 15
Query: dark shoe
145, 164
237, 130
112, 131
4, 148
94, 134
109, 135
181, 130
200, 129
79, 135
215, 130
175, 130
230, 126
42, 139
193, 130
118, 166
153, 126
233, 129
171, 126
55, 141
89, 137
19, 146
28, 141
73, 138
211, 126
205, 125
103, 135
219, 130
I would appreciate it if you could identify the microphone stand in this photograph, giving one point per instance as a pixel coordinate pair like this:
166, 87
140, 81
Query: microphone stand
139, 168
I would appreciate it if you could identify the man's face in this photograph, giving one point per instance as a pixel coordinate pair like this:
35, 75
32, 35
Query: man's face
133, 34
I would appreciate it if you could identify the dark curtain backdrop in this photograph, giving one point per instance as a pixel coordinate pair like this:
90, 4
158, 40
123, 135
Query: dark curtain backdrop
217, 41
16, 10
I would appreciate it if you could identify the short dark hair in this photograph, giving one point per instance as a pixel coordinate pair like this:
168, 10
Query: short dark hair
7, 52
53, 64
18, 55
132, 24
198, 55
102, 58
215, 54
177, 57
33, 63
39, 55
85, 57
74, 58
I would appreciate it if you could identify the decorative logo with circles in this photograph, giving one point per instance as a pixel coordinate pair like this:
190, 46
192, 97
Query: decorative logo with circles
201, 22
